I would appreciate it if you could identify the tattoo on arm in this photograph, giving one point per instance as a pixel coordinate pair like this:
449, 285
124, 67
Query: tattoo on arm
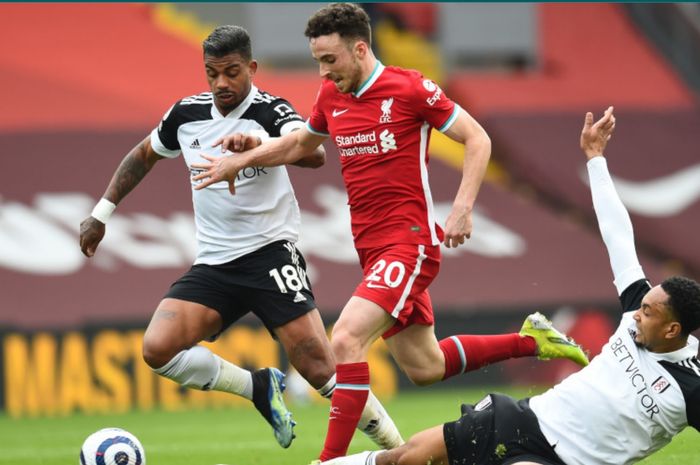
130, 172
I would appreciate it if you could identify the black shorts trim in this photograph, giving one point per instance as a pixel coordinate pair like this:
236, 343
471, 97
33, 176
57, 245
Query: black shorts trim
497, 431
270, 282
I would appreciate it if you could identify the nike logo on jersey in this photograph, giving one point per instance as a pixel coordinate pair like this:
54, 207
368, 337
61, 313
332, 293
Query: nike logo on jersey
339, 112
660, 197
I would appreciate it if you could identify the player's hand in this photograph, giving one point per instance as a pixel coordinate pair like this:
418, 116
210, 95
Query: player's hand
92, 231
217, 169
595, 136
458, 227
237, 142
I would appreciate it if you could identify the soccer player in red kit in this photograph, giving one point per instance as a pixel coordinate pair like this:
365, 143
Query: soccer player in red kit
380, 118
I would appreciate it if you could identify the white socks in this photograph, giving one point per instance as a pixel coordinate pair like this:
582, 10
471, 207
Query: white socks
199, 368
375, 422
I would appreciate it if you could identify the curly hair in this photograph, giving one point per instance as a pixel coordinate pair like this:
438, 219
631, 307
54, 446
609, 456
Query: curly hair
347, 19
684, 300
225, 40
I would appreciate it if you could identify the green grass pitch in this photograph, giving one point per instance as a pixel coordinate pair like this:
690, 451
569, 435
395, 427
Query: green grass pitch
239, 436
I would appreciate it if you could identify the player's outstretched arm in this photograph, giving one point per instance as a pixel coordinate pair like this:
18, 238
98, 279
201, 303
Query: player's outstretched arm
613, 219
135, 165
240, 142
477, 151
315, 159
284, 150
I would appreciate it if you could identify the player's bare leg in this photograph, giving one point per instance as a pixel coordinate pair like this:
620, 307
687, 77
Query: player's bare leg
360, 324
177, 325
170, 348
305, 341
425, 360
424, 448
417, 352
309, 351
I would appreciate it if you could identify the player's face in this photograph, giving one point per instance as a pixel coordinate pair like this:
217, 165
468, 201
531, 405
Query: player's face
229, 79
654, 320
338, 61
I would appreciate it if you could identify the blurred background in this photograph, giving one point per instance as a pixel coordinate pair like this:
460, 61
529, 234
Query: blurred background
85, 82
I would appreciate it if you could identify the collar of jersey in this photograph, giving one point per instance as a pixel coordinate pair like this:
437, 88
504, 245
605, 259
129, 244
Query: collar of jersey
240, 109
376, 72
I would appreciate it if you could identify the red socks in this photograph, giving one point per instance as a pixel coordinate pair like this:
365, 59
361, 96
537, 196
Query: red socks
470, 352
348, 401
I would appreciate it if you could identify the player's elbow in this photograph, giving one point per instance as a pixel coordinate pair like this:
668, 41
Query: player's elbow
484, 141
315, 159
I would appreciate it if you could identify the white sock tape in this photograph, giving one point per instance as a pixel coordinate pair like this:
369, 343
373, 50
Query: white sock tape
103, 210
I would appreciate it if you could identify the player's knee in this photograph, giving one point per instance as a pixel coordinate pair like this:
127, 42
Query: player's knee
346, 347
423, 376
156, 353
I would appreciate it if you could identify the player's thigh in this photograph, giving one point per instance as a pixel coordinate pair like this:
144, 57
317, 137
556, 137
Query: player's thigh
360, 323
426, 447
177, 325
417, 351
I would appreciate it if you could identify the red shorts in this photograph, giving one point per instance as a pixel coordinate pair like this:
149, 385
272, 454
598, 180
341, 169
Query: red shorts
396, 277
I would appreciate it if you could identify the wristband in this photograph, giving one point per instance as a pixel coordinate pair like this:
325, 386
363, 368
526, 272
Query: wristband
103, 210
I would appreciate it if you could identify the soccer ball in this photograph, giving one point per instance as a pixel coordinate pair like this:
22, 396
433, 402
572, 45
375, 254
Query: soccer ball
112, 446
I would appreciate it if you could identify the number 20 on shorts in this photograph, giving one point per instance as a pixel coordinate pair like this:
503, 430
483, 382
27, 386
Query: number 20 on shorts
392, 274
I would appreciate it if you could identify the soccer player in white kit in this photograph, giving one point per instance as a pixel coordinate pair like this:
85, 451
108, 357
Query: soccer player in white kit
633, 398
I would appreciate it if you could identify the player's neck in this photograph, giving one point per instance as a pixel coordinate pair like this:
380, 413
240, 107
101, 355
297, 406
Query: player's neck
670, 346
367, 66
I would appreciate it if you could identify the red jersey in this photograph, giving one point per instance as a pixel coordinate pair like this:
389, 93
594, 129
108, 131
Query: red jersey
382, 132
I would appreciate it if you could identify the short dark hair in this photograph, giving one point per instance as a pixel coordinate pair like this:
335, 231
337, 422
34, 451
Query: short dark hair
684, 301
225, 40
347, 19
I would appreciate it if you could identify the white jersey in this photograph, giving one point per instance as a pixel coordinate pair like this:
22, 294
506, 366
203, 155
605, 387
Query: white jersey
628, 403
264, 209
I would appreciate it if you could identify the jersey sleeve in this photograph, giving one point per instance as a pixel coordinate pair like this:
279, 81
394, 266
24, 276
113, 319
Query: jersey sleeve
280, 118
433, 105
164, 137
631, 297
317, 123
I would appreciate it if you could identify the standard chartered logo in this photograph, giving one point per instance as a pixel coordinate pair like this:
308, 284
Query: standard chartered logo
387, 140
359, 144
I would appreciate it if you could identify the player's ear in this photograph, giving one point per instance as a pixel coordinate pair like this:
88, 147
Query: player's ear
253, 67
673, 330
360, 49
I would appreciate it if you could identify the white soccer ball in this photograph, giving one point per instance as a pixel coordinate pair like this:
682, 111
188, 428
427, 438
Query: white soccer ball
112, 446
